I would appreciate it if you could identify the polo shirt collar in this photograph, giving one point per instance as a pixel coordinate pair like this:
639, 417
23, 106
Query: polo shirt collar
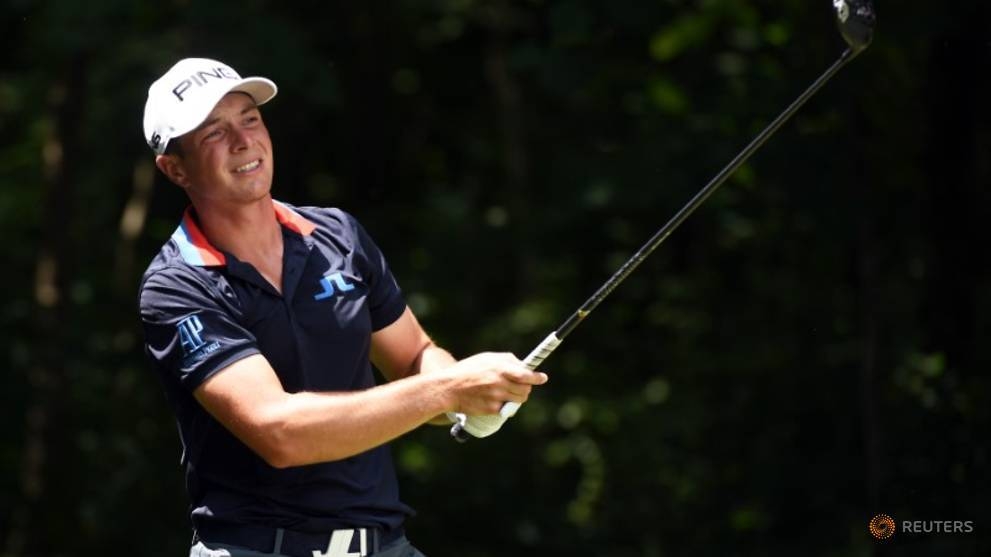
197, 250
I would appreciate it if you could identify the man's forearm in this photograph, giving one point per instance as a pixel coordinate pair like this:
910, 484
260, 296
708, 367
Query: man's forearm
434, 358
372, 417
294, 429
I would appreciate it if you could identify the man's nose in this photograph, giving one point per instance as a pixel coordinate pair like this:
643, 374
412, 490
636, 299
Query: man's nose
239, 139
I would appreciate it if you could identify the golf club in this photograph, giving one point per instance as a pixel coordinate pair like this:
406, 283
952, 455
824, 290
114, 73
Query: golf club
856, 19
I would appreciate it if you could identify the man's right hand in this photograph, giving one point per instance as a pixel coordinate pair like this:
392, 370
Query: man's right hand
511, 375
481, 384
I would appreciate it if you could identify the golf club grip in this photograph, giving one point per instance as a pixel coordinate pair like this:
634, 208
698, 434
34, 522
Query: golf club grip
482, 426
532, 362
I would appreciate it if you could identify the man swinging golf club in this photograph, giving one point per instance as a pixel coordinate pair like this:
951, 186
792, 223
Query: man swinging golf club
263, 321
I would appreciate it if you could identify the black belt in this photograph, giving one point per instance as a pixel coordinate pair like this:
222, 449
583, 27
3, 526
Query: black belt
363, 541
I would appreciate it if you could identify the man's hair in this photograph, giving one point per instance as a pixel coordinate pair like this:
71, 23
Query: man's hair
174, 148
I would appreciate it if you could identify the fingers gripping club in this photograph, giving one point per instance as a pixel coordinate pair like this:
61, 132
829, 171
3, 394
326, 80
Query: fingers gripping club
483, 426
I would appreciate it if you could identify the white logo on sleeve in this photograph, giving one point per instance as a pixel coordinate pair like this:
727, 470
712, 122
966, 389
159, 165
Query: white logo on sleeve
194, 348
189, 334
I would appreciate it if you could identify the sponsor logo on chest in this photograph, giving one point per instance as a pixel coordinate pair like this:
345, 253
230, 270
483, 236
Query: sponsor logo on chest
332, 284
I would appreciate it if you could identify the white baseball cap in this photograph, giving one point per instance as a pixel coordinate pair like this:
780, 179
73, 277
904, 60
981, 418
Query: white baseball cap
180, 100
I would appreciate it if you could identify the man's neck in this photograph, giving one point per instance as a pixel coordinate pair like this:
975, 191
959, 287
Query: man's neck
250, 232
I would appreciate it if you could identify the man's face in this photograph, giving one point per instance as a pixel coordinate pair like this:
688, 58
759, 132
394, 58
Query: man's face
229, 157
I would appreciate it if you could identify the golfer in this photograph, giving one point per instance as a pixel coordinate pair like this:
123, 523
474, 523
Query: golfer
263, 321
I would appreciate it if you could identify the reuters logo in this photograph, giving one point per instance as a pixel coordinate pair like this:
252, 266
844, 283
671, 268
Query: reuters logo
882, 526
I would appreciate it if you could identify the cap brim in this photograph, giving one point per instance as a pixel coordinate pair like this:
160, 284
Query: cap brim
260, 89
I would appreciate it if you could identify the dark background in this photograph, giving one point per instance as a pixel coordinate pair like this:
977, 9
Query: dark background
808, 350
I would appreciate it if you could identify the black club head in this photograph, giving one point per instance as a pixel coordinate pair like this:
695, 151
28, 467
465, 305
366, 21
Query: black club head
856, 19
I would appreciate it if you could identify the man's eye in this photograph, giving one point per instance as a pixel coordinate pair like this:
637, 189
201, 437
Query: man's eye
213, 134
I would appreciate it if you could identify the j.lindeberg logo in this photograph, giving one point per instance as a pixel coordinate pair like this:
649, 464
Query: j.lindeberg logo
329, 282
200, 78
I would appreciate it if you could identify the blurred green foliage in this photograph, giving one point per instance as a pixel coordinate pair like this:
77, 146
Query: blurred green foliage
805, 352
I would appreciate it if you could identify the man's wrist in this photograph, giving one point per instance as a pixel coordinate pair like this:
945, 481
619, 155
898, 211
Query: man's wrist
434, 358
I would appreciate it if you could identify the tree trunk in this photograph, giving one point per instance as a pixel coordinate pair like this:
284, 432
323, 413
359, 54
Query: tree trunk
46, 373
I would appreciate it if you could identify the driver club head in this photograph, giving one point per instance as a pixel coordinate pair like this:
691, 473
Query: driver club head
856, 19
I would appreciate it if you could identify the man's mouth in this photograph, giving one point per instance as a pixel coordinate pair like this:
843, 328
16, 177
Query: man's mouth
248, 167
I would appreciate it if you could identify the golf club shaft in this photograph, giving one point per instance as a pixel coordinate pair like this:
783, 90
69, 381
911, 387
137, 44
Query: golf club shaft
551, 342
637, 258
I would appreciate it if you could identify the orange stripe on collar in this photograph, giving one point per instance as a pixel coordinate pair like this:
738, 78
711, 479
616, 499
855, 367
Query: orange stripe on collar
193, 245
197, 250
292, 220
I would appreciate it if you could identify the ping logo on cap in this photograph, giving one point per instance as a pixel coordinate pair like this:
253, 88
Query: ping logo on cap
200, 79
182, 99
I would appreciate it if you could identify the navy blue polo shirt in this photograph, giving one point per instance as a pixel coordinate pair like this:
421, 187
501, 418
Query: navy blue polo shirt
203, 310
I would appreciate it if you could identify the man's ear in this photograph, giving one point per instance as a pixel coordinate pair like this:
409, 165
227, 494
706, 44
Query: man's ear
172, 167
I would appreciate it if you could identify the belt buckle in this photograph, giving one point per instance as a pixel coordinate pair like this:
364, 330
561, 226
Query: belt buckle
341, 541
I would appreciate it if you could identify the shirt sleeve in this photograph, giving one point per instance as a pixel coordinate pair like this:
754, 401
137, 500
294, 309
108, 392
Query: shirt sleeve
385, 300
190, 331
